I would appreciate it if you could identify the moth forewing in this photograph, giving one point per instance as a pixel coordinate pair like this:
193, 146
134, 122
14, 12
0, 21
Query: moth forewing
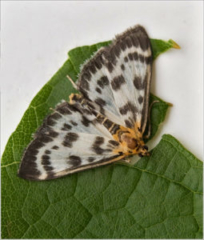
118, 78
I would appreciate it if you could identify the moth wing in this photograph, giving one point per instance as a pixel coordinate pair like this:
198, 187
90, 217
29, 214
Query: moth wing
117, 78
70, 140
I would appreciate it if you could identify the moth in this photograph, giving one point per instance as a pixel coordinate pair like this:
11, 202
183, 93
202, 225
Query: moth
106, 121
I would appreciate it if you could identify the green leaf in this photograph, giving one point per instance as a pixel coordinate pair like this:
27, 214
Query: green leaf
159, 46
175, 188
52, 209
159, 197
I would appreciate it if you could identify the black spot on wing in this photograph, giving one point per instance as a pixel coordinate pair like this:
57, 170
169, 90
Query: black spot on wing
85, 121
108, 123
141, 58
135, 56
99, 140
49, 121
75, 161
45, 160
69, 139
73, 123
53, 134
110, 67
129, 107
84, 85
92, 68
148, 60
114, 143
140, 99
98, 150
55, 147
130, 56
66, 127
86, 75
128, 124
46, 134
122, 67
72, 108
98, 90
139, 84
44, 138
63, 108
47, 152
91, 159
56, 116
98, 62
103, 81
96, 147
100, 102
117, 82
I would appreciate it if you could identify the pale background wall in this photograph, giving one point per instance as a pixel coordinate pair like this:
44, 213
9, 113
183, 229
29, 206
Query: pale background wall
36, 37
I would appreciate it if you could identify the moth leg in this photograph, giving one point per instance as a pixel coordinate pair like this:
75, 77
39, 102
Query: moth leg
149, 122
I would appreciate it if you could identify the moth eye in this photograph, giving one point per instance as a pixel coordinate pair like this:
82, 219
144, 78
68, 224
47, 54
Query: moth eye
140, 155
145, 148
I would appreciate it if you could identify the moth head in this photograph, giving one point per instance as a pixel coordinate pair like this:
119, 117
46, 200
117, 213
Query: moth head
143, 150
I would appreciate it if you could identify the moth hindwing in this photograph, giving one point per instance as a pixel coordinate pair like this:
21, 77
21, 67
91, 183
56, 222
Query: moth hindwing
106, 121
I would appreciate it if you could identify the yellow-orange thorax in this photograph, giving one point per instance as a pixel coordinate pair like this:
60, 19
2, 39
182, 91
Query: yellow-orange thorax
131, 142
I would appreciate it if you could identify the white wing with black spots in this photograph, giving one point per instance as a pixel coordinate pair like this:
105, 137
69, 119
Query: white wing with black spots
118, 77
69, 140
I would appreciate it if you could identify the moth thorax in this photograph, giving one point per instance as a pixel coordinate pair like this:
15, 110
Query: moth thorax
129, 140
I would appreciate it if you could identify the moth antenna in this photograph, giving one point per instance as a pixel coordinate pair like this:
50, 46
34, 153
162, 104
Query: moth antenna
149, 119
72, 82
